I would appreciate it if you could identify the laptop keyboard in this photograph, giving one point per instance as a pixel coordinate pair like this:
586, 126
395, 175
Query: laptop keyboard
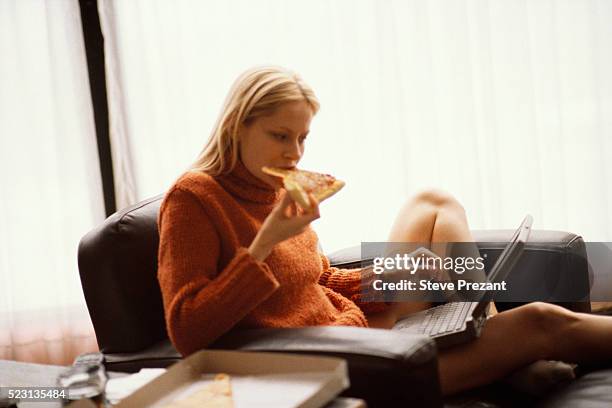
445, 318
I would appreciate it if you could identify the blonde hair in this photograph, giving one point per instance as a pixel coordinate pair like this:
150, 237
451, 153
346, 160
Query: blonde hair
257, 92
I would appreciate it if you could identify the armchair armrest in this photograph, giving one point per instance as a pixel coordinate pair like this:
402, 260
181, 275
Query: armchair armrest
386, 368
550, 258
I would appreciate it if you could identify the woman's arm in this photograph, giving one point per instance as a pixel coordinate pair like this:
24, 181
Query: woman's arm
350, 283
201, 303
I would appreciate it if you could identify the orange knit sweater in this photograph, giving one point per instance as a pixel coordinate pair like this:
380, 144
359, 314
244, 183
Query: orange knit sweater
211, 284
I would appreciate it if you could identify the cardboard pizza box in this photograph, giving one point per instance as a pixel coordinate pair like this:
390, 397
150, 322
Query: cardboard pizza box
257, 380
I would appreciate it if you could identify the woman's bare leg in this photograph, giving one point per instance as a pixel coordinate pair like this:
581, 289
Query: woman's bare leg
538, 331
433, 218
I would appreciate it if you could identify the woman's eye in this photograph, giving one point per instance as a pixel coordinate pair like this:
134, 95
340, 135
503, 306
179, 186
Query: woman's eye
302, 139
279, 136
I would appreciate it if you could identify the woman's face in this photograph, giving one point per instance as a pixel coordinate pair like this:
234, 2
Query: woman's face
276, 140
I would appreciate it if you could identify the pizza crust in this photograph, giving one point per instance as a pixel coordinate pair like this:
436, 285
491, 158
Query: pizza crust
275, 171
329, 191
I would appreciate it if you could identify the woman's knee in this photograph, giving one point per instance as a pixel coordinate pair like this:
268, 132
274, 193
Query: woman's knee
436, 198
550, 321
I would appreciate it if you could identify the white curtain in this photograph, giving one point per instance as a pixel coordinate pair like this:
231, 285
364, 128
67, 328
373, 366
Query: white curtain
505, 104
50, 181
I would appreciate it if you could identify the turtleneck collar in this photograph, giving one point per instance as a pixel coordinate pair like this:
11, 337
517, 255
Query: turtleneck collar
242, 183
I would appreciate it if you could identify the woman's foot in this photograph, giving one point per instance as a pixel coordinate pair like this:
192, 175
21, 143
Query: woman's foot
540, 377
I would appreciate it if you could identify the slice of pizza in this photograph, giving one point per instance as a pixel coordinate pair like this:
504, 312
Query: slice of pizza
216, 394
299, 183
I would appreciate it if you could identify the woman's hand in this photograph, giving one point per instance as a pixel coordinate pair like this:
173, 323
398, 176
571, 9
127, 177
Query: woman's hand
427, 267
284, 222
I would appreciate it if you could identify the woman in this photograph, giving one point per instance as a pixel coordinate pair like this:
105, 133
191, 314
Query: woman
236, 251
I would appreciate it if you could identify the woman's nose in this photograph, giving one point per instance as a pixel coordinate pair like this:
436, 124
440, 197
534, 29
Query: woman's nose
294, 152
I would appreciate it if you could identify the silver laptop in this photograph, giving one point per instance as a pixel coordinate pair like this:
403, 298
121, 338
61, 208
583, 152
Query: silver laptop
460, 322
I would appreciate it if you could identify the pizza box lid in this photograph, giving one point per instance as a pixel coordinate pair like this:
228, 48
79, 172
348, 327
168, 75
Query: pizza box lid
258, 379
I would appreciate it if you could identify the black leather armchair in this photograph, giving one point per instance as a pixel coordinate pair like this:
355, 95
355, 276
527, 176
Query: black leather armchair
118, 268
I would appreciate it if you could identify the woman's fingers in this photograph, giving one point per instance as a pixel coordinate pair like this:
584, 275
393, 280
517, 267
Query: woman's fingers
287, 220
299, 219
422, 251
286, 201
294, 209
312, 213
314, 205
283, 206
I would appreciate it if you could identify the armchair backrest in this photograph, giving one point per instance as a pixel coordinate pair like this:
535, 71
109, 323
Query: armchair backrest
118, 269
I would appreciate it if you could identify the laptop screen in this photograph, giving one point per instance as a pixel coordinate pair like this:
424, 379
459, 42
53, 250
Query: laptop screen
506, 260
